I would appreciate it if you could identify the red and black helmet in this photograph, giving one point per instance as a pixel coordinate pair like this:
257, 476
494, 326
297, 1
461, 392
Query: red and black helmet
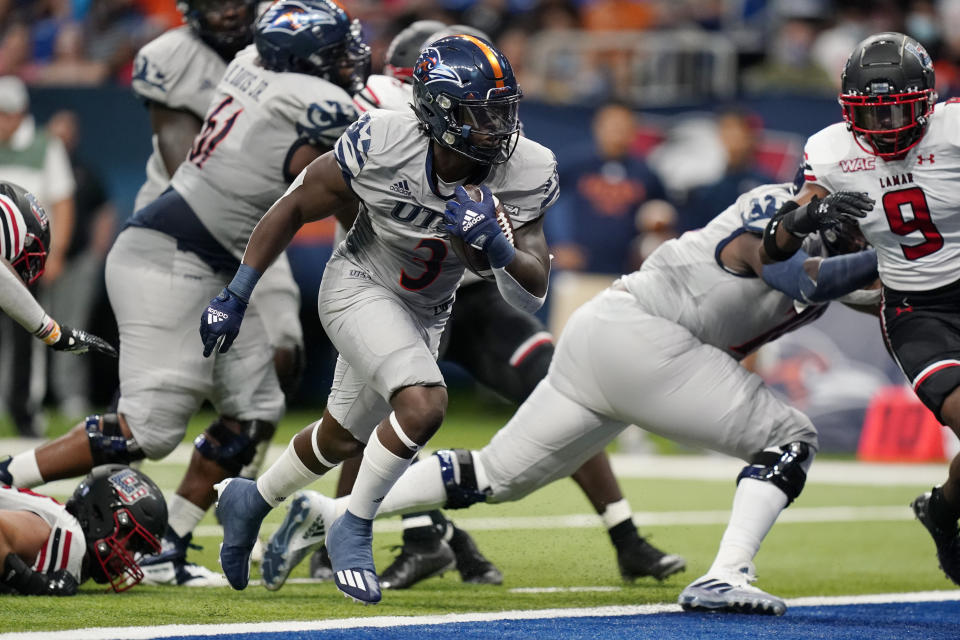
888, 93
123, 515
24, 231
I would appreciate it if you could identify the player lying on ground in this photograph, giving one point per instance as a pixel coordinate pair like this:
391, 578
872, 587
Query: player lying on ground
180, 250
905, 153
661, 349
24, 243
115, 516
387, 291
503, 348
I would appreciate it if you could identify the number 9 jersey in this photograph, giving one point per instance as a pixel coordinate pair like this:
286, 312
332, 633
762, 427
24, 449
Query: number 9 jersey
915, 225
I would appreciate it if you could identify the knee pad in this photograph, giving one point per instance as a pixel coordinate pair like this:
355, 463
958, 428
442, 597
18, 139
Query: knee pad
107, 443
232, 449
783, 468
459, 476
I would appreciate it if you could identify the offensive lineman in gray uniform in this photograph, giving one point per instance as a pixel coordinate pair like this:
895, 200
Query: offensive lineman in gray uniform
387, 290
501, 347
180, 249
661, 349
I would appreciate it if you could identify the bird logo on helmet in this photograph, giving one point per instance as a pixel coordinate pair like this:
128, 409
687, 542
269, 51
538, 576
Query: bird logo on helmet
887, 94
22, 207
123, 515
466, 98
315, 37
225, 25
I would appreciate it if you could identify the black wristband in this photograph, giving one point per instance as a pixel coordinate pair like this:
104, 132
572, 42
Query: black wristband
770, 246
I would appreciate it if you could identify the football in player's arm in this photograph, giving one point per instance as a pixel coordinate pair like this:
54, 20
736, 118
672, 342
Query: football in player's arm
24, 243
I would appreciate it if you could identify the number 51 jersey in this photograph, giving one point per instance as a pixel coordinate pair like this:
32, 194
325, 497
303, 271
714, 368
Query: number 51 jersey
915, 225
236, 168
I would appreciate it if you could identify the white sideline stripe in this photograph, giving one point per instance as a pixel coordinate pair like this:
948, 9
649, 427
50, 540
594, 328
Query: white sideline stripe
214, 630
641, 518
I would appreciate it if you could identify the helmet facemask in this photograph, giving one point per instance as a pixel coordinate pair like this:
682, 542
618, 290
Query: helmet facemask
888, 125
485, 131
31, 263
117, 555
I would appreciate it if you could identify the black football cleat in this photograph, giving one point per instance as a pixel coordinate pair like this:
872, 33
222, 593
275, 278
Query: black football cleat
472, 565
639, 559
943, 530
320, 567
417, 563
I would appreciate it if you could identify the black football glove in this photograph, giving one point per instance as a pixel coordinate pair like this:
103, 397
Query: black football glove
22, 579
79, 341
842, 206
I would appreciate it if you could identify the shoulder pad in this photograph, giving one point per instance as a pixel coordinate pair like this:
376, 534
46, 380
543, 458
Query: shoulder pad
758, 206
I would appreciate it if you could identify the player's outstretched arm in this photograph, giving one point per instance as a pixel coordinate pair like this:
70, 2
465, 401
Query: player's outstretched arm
318, 192
23, 534
17, 302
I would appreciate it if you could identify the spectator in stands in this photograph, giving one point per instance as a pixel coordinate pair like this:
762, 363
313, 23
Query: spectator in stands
69, 65
15, 52
592, 226
73, 294
38, 163
789, 66
739, 134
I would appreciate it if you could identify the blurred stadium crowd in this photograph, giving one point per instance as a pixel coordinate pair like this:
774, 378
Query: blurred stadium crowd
614, 73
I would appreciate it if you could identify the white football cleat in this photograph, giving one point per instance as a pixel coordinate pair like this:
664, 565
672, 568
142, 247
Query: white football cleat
729, 590
303, 530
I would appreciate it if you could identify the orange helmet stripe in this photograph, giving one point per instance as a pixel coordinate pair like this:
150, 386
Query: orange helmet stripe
491, 57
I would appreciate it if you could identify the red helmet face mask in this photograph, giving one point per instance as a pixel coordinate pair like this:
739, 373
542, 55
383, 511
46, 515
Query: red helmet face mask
888, 94
117, 554
29, 219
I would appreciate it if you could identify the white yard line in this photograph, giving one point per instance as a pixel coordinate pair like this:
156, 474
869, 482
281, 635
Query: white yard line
214, 630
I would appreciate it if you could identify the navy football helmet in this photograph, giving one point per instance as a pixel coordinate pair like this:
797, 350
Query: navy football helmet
405, 47
225, 25
315, 37
123, 515
887, 93
467, 98
30, 262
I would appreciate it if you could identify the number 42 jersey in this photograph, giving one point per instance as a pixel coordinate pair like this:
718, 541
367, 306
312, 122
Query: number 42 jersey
915, 225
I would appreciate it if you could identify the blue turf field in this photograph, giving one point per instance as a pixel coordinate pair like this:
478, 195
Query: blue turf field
900, 621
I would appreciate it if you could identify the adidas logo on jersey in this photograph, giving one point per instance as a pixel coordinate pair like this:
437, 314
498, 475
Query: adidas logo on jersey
214, 316
471, 219
401, 187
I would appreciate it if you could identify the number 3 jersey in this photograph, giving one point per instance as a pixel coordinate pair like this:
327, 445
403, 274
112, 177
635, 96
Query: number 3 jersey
399, 237
915, 225
236, 168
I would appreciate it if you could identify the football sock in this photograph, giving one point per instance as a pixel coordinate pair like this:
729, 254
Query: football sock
284, 476
379, 471
184, 516
421, 487
756, 505
618, 518
24, 470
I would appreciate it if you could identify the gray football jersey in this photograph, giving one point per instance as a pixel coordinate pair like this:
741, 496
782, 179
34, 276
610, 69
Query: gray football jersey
235, 170
683, 281
179, 71
398, 237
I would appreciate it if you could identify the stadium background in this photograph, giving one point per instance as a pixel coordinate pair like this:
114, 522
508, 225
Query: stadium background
679, 64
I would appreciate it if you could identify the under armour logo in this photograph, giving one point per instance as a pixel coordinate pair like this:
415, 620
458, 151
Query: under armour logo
904, 310
920, 159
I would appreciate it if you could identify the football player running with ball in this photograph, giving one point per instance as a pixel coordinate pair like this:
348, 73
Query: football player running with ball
660, 349
286, 97
503, 348
901, 150
387, 291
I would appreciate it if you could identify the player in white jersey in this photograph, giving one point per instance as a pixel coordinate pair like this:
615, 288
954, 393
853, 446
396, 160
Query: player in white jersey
24, 242
904, 153
115, 515
661, 349
505, 349
387, 290
180, 250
